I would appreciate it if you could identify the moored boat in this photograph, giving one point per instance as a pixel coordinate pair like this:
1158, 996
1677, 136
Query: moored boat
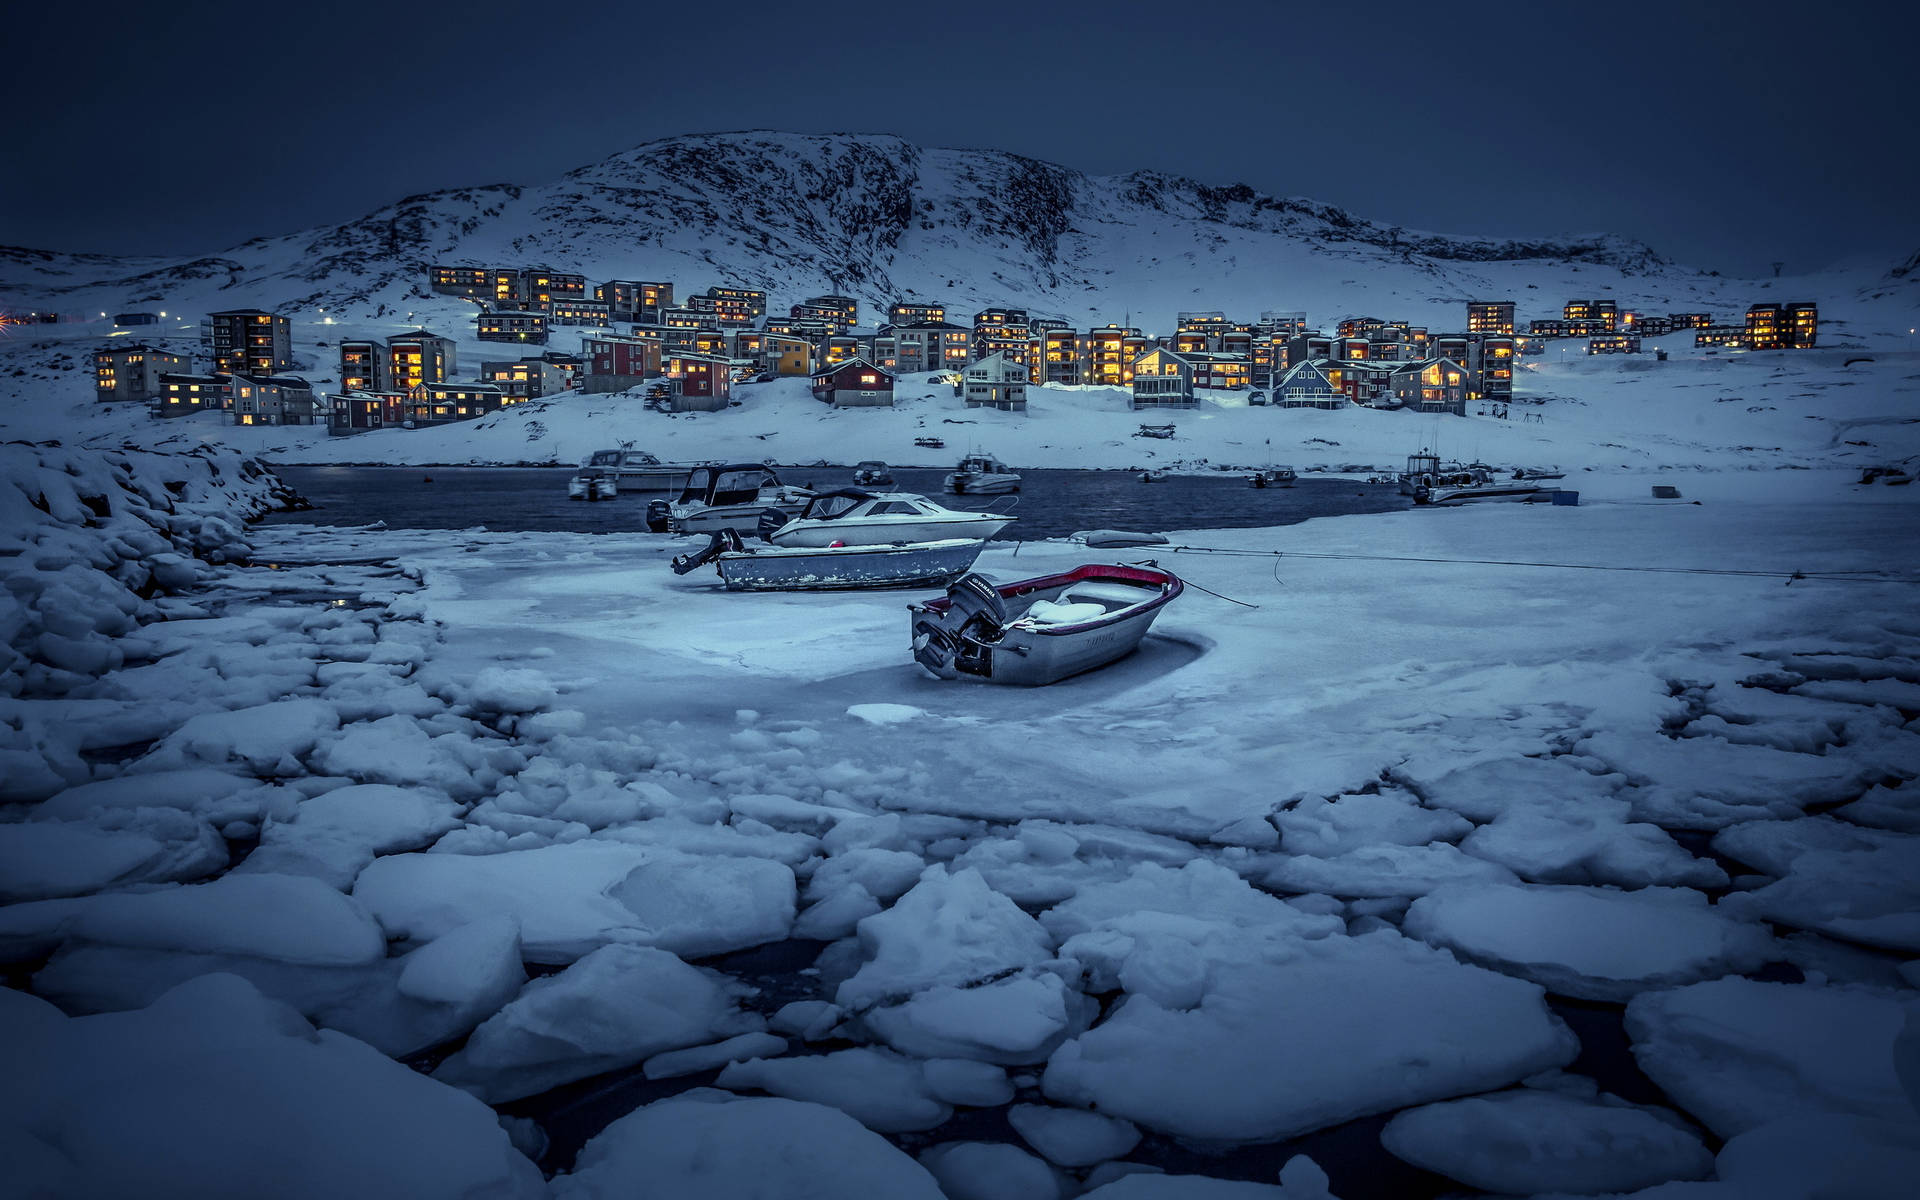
1038, 631
1434, 483
849, 516
637, 471
745, 568
725, 496
872, 473
982, 475
592, 483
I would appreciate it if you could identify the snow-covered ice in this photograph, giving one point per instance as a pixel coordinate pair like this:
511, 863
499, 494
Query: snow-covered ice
1072, 1137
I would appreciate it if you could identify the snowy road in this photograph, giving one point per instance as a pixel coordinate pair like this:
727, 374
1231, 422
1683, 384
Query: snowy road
1292, 866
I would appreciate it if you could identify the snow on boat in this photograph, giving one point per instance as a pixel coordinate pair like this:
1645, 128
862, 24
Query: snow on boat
1039, 631
592, 483
746, 568
982, 475
730, 496
849, 516
638, 471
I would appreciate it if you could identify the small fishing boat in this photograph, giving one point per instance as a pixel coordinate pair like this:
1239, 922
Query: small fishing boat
745, 568
1434, 483
1039, 631
725, 496
851, 517
930, 443
982, 475
872, 473
637, 471
1525, 473
1282, 476
592, 483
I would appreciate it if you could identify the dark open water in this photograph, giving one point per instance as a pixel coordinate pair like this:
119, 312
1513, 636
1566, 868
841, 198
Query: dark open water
1051, 503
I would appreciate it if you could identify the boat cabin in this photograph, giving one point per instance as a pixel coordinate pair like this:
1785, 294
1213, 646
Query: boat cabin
982, 464
851, 502
737, 483
621, 458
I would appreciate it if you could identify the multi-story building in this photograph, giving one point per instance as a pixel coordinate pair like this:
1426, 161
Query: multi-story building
616, 362
635, 300
363, 365
417, 358
1162, 379
184, 394
1606, 312
910, 312
525, 379
1356, 326
1803, 325
1487, 359
1490, 316
1284, 322
540, 287
996, 381
1111, 352
1061, 358
1689, 320
1308, 385
786, 355
512, 325
249, 341
702, 382
931, 345
721, 309
751, 302
1782, 326
1220, 372
1004, 331
1434, 385
476, 282
357, 412
845, 309
577, 310
683, 317
841, 347
1731, 337
132, 372
1614, 343
443, 403
808, 315
273, 400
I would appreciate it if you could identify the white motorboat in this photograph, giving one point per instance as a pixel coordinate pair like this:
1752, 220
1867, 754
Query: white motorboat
852, 517
593, 483
1281, 476
638, 471
726, 496
745, 568
982, 475
872, 473
1039, 631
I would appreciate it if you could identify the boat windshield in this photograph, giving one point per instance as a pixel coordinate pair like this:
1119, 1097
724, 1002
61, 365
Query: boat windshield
698, 481
832, 505
737, 487
604, 458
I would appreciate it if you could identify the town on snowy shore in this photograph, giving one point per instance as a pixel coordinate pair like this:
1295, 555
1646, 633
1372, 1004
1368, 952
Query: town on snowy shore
1556, 849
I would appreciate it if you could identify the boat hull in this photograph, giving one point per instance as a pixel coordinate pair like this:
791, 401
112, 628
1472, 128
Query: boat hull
1026, 655
1444, 497
982, 485
876, 533
912, 564
653, 479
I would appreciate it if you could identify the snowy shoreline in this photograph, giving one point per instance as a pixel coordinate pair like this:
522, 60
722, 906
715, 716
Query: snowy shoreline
441, 757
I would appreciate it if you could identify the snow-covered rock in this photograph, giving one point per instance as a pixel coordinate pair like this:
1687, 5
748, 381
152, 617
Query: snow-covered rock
1525, 1142
612, 1008
1592, 943
1736, 1053
571, 899
741, 1148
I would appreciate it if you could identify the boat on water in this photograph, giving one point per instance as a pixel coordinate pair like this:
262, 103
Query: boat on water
637, 471
1281, 476
1435, 483
930, 443
593, 483
872, 473
745, 568
852, 517
982, 475
1038, 631
726, 496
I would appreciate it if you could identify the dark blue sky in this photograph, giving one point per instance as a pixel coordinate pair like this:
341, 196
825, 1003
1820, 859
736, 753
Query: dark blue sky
1724, 135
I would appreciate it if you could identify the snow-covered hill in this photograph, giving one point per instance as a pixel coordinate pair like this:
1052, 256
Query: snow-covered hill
874, 217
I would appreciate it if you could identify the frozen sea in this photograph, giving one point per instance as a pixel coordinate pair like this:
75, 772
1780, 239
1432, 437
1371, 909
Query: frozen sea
1450, 877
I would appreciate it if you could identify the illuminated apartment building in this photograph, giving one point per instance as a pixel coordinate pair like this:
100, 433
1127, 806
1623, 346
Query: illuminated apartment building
1003, 331
615, 362
363, 365
1110, 353
1606, 312
846, 309
1689, 320
444, 403
911, 312
1490, 316
1434, 385
931, 345
634, 300
476, 282
1355, 326
1287, 323
524, 379
841, 348
577, 310
722, 309
1614, 343
685, 318
996, 381
1062, 359
132, 372
1783, 326
417, 358
273, 400
512, 325
787, 355
701, 382
184, 394
833, 317
1162, 379
1710, 337
248, 341
751, 301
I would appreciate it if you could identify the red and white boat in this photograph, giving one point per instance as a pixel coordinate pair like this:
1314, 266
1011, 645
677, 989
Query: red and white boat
1039, 631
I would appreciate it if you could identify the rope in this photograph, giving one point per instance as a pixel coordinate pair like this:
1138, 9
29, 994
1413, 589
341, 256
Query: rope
1849, 576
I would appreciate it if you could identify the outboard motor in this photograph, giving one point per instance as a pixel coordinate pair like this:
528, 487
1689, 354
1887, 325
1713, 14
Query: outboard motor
657, 516
722, 541
950, 642
772, 521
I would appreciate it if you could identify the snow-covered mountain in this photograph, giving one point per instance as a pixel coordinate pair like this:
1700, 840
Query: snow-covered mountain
874, 217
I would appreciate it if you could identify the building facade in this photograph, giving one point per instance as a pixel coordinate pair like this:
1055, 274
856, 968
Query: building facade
249, 341
132, 372
996, 382
855, 383
1490, 316
1162, 379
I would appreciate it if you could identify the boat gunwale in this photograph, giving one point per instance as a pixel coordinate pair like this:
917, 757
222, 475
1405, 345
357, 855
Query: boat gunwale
1170, 587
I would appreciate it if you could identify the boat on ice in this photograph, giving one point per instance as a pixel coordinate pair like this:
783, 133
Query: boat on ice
982, 475
637, 471
1435, 483
725, 496
745, 568
592, 483
852, 517
1531, 473
930, 443
872, 473
1039, 631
